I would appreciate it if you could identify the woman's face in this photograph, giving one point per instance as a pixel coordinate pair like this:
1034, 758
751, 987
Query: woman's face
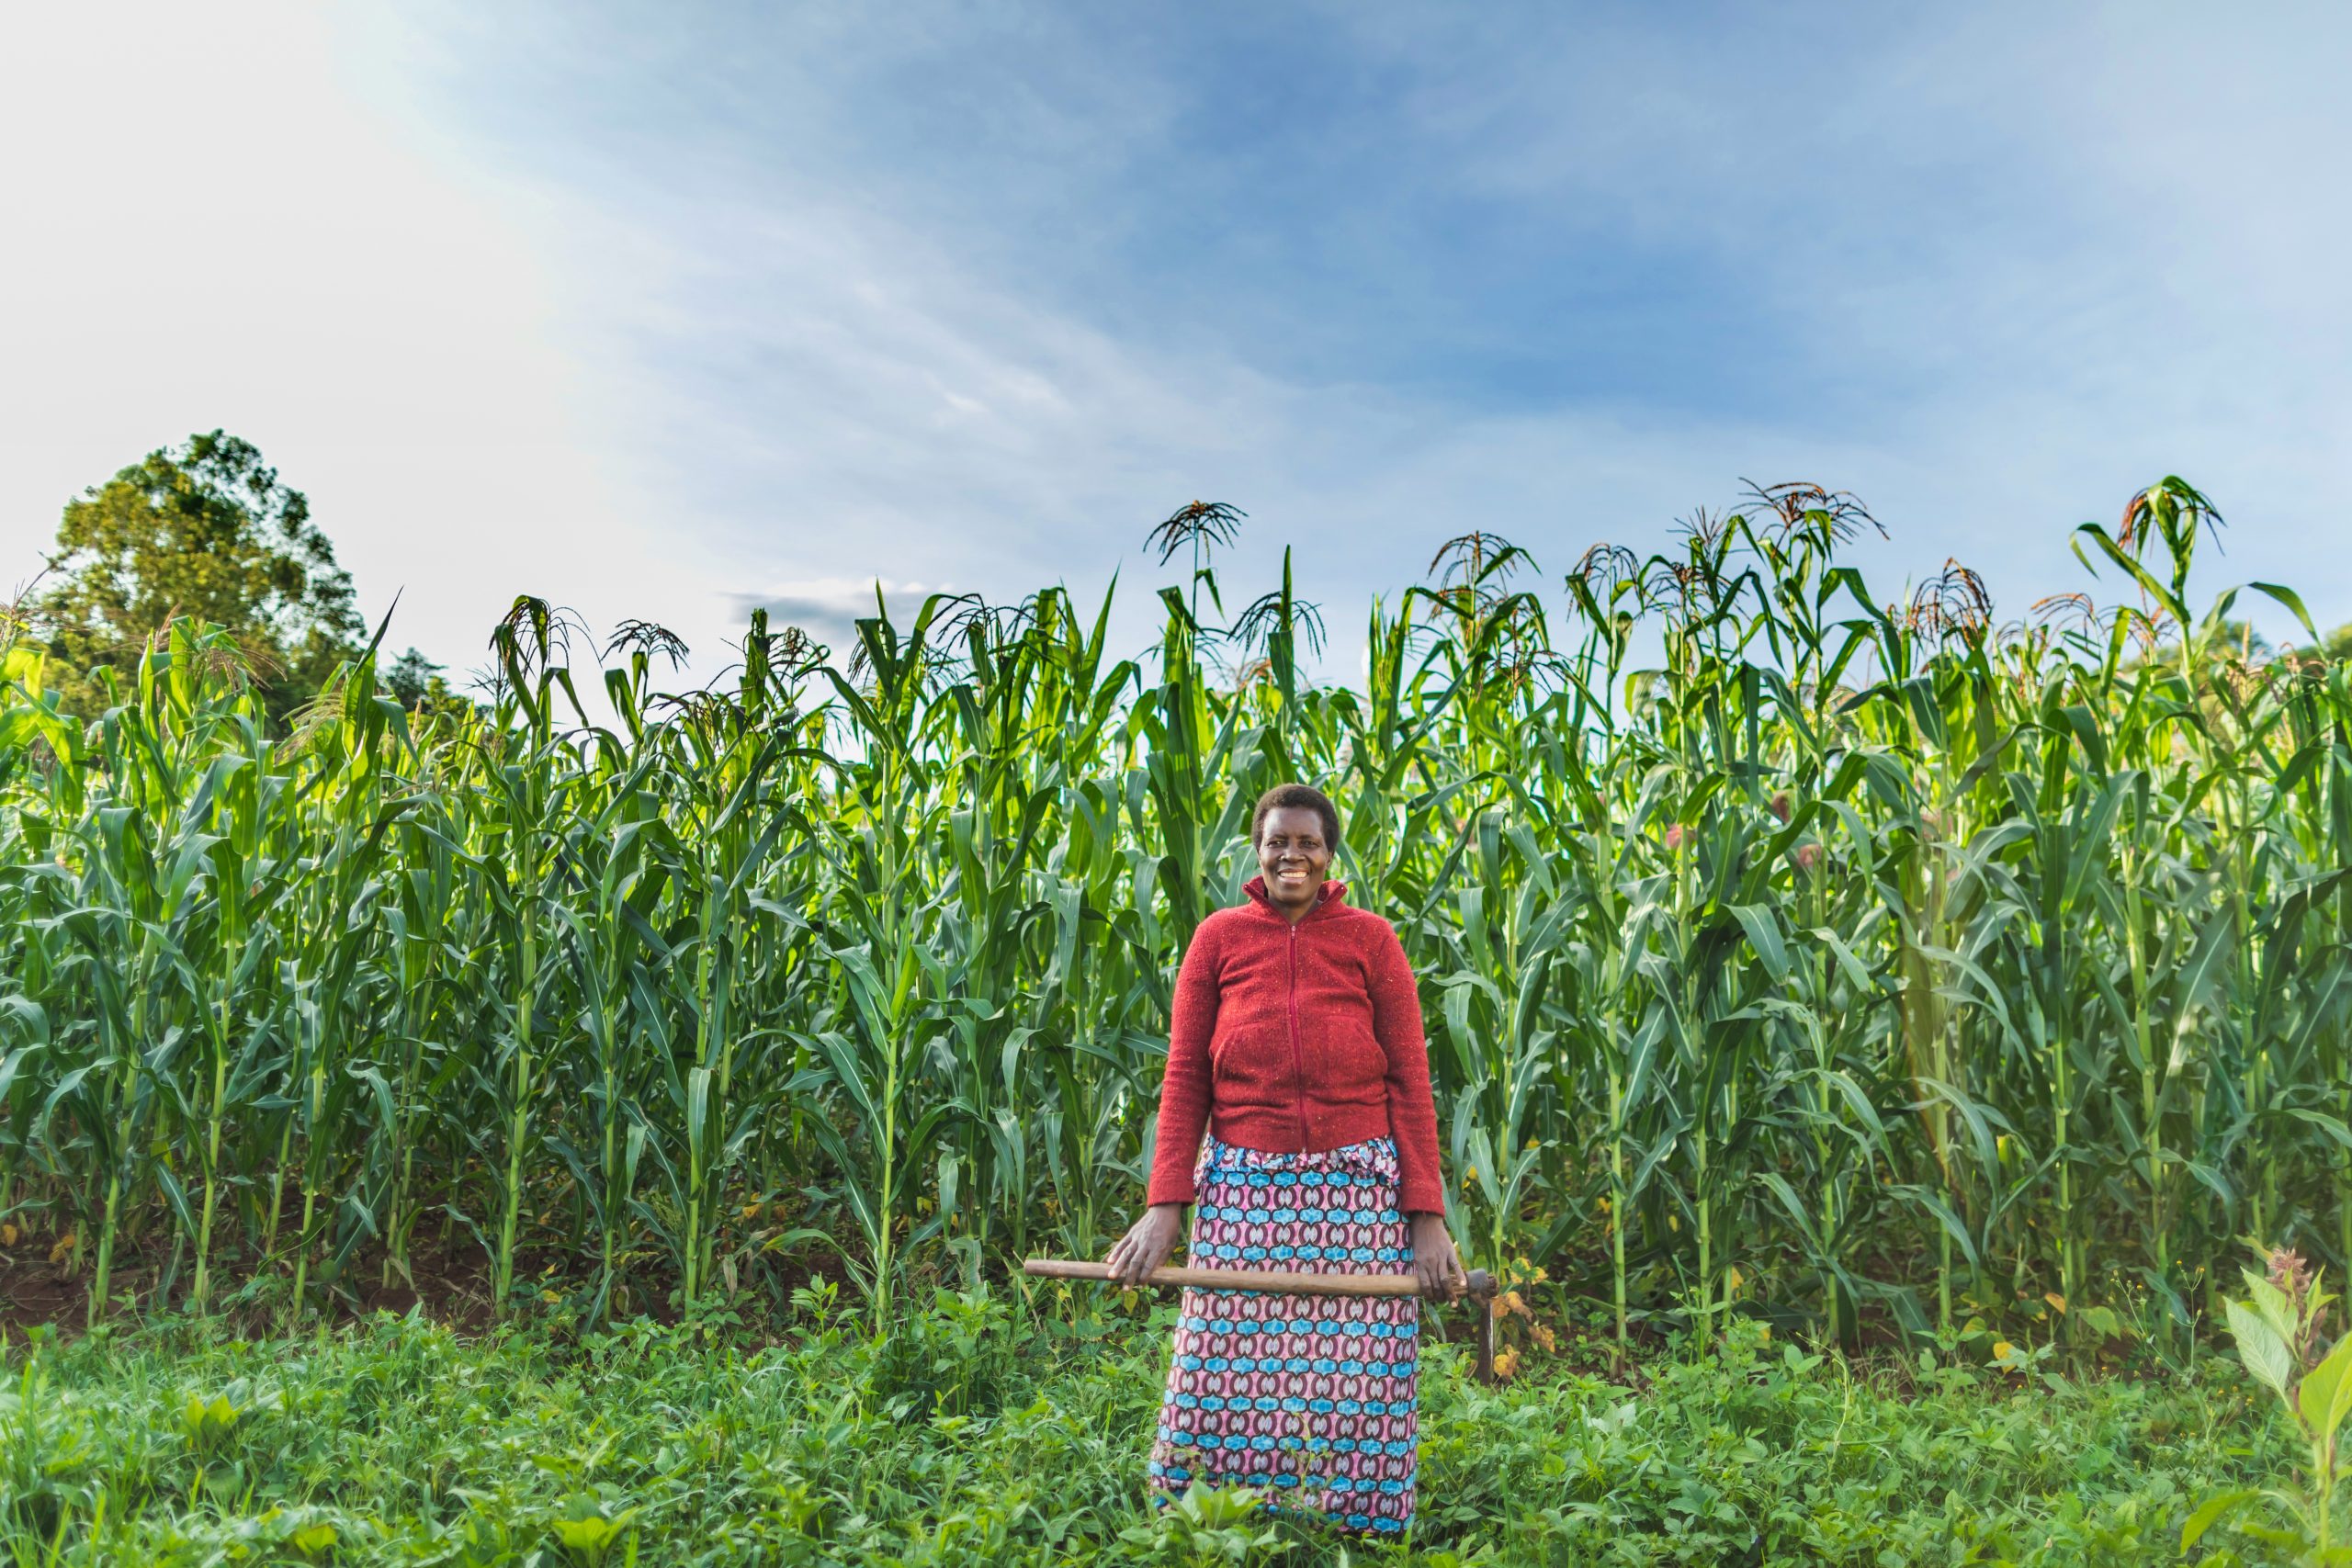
1292, 854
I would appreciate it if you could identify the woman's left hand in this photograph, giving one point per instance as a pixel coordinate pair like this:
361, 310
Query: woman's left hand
1435, 1263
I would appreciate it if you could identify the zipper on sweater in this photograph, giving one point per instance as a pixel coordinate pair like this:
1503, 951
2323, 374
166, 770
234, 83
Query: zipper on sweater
1297, 1060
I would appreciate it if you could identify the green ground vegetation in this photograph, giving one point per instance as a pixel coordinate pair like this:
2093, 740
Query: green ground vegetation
977, 1432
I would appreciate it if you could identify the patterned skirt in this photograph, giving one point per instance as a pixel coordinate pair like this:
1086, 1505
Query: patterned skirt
1308, 1398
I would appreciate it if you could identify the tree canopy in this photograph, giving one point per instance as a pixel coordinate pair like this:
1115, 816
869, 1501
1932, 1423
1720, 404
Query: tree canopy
205, 529
416, 682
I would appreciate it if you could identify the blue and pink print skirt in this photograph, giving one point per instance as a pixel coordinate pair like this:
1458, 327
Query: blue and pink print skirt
1310, 1399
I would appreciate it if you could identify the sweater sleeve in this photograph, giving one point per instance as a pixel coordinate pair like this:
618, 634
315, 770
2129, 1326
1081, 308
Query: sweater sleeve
1184, 1086
1412, 1104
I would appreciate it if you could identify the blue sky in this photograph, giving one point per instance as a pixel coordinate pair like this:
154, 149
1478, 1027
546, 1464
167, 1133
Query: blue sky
667, 310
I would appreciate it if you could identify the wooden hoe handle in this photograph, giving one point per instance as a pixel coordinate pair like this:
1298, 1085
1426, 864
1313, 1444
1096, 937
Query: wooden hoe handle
1480, 1287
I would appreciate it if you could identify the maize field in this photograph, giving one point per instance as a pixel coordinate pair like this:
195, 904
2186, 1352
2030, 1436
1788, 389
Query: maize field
1783, 951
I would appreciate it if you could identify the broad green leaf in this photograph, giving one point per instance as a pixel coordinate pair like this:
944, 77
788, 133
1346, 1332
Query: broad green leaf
2326, 1390
2265, 1355
2212, 1511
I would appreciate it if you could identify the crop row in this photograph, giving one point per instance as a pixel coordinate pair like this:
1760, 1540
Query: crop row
1781, 950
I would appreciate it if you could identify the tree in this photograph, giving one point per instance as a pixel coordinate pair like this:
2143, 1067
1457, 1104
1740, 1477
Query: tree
411, 678
419, 686
203, 530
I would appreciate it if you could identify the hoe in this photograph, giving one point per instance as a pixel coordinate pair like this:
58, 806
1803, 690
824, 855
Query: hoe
1480, 1289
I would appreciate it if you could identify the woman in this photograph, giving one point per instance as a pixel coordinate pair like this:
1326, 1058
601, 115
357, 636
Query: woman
1296, 1043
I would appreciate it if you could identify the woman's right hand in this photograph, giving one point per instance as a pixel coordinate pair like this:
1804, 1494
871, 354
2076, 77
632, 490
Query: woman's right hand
1147, 1245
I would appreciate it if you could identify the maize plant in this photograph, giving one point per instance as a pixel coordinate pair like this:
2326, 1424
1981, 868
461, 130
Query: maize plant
1785, 949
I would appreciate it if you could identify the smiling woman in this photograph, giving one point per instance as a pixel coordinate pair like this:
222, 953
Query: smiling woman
1297, 1044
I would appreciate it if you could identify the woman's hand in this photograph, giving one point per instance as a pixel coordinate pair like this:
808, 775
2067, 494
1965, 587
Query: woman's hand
1147, 1245
1435, 1263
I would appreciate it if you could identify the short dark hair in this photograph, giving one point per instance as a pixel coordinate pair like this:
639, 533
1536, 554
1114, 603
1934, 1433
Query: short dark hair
1297, 795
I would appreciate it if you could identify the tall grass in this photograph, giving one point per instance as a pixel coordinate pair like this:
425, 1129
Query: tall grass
1782, 949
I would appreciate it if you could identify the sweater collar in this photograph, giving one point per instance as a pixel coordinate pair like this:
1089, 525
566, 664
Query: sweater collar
1329, 896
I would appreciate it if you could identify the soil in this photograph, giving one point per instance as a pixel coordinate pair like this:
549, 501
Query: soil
452, 1278
452, 1284
33, 1291
451, 1275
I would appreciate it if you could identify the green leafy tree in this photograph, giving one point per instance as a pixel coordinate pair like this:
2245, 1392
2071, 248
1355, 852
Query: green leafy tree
203, 530
417, 683
411, 678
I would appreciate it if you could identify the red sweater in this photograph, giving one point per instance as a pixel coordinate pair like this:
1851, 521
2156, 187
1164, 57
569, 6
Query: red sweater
1295, 1038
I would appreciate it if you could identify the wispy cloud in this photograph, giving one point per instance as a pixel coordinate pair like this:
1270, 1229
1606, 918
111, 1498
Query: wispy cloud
1377, 276
829, 608
817, 297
